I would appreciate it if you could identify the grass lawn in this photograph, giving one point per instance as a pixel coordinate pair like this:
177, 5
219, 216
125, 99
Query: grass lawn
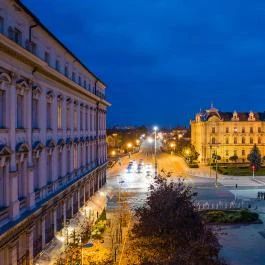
230, 217
239, 171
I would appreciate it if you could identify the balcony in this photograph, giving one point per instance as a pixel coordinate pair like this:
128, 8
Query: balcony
4, 213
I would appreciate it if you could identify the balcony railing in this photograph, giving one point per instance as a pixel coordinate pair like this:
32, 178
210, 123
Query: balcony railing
3, 213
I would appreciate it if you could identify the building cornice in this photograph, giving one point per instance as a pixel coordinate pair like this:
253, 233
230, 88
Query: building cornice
42, 67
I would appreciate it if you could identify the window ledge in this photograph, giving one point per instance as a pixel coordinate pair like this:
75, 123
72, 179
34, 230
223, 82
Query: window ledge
3, 130
20, 130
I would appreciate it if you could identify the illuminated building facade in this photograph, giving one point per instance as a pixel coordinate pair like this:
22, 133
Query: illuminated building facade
52, 134
227, 134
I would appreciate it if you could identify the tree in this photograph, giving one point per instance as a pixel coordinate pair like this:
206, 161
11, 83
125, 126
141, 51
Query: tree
169, 229
233, 158
254, 157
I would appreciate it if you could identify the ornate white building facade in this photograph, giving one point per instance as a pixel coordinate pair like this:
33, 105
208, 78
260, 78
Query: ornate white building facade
52, 134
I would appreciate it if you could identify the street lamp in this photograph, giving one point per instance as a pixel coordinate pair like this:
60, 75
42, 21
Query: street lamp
155, 130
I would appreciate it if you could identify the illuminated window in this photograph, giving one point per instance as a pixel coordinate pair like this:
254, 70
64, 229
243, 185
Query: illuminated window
59, 114
235, 129
243, 129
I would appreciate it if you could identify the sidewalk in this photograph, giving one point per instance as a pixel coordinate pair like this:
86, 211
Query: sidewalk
56, 247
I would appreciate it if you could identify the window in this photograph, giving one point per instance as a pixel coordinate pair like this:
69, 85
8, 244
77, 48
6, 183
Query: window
68, 161
66, 72
60, 161
235, 129
59, 114
259, 129
36, 173
243, 130
251, 129
2, 187
251, 140
235, 152
1, 25
49, 169
21, 182
20, 111
79, 80
68, 117
227, 140
35, 113
47, 58
75, 157
226, 153
84, 83
213, 129
81, 119
73, 76
34, 48
75, 119
213, 140
2, 109
235, 140
227, 130
259, 140
17, 36
57, 65
49, 115
243, 140
86, 119
243, 152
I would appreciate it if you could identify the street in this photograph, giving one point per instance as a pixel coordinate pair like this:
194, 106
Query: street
136, 187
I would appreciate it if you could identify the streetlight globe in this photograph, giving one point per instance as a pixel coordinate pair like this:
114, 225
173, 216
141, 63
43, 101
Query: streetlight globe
129, 145
155, 128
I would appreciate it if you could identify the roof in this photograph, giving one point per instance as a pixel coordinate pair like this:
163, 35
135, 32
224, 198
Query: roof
56, 39
228, 116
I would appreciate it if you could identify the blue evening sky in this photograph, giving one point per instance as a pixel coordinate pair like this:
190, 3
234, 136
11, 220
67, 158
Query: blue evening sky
163, 60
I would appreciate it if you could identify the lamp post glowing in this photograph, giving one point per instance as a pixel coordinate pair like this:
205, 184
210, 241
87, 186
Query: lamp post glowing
155, 130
